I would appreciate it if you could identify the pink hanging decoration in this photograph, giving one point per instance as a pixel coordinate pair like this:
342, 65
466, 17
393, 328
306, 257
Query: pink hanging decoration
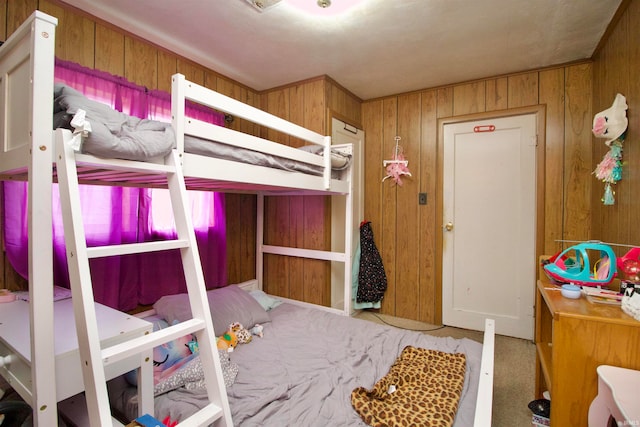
398, 166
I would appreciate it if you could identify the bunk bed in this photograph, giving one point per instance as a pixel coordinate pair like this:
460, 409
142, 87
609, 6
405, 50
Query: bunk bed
26, 80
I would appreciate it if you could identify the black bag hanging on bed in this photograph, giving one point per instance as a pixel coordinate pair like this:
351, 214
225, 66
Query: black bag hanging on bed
372, 279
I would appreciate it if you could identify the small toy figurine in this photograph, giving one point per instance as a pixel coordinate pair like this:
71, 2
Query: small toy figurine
227, 341
257, 330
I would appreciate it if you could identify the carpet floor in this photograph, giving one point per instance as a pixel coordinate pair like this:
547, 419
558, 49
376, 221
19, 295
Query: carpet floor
514, 368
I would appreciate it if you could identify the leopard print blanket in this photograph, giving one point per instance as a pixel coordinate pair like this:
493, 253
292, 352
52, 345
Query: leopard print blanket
423, 387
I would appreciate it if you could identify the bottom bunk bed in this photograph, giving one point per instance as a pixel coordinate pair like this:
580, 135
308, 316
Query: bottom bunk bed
311, 367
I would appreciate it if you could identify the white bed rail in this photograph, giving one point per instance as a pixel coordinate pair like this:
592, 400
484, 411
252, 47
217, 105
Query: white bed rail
183, 90
484, 402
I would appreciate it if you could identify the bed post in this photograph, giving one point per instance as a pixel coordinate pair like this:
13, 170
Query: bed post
327, 162
260, 240
43, 398
348, 246
178, 110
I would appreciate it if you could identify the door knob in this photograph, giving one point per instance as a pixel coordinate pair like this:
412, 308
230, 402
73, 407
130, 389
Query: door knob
448, 226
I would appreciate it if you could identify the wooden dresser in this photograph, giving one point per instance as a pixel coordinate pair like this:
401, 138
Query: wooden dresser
573, 337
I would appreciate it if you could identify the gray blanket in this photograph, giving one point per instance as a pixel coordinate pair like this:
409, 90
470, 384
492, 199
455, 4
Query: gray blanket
120, 136
114, 134
303, 371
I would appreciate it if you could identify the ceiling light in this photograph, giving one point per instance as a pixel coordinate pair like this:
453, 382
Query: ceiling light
324, 8
262, 5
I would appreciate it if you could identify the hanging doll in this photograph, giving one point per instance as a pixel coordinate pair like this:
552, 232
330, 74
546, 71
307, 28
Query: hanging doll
612, 125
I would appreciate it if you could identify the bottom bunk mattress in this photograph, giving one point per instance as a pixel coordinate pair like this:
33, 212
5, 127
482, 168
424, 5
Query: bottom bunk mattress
304, 368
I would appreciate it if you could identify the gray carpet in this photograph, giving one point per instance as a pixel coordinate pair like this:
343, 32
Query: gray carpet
514, 368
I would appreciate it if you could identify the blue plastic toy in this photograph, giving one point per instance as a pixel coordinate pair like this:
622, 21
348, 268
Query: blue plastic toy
584, 264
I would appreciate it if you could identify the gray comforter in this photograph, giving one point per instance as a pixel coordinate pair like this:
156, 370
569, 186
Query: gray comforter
303, 371
120, 136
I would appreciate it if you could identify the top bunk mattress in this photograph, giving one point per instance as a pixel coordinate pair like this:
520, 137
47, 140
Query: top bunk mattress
108, 133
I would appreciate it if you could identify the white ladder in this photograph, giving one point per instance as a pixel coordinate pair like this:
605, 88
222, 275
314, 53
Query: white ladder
94, 358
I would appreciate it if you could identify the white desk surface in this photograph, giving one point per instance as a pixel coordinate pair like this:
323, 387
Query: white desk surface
14, 326
114, 327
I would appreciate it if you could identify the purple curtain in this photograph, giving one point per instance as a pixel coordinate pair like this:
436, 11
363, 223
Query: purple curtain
114, 215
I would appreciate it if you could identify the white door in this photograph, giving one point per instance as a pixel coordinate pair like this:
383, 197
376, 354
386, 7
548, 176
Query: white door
343, 133
489, 202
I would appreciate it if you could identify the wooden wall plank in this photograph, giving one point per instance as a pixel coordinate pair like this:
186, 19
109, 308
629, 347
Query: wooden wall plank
344, 103
577, 153
427, 222
109, 50
497, 94
314, 106
408, 296
141, 63
523, 90
167, 67
386, 238
191, 71
373, 173
3, 22
552, 95
18, 11
445, 102
469, 98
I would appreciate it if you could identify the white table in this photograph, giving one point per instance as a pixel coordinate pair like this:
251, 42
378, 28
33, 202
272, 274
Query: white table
15, 346
617, 397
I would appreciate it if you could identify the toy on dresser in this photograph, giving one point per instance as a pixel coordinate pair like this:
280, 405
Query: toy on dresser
629, 266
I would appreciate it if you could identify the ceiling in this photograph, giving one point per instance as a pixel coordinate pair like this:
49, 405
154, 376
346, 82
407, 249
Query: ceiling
374, 48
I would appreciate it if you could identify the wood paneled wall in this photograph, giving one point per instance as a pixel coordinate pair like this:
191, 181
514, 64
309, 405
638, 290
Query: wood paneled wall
405, 232
303, 222
615, 70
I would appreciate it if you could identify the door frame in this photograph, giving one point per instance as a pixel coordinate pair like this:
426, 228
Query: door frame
540, 112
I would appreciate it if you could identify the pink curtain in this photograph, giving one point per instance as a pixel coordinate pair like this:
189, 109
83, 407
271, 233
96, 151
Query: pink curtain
114, 215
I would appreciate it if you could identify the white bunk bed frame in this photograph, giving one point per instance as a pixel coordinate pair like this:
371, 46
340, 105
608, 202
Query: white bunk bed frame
26, 88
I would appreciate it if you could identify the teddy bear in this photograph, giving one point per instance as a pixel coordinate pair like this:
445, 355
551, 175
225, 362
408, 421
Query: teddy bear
243, 335
227, 341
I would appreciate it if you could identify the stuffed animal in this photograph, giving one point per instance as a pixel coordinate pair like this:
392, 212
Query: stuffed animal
257, 330
169, 356
227, 341
244, 336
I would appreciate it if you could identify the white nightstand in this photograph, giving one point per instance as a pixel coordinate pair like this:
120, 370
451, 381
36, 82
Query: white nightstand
617, 397
115, 327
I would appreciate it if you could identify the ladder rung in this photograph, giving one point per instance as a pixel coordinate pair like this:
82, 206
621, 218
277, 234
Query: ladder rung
136, 248
204, 416
134, 346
